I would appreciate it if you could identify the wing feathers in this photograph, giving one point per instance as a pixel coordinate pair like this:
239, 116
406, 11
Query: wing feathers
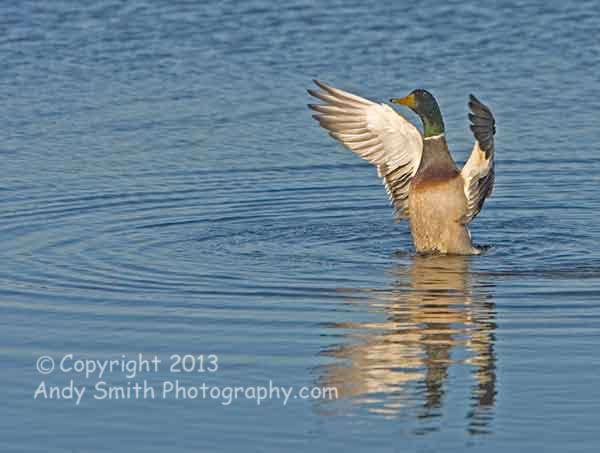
479, 172
339, 94
375, 132
483, 124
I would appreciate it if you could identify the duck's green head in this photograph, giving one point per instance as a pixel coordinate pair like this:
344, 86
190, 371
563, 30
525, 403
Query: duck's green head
424, 104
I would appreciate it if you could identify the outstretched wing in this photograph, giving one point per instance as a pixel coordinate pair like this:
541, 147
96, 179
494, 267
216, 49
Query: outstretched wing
478, 172
375, 132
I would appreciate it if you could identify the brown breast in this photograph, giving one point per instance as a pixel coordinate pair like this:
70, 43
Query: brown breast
437, 165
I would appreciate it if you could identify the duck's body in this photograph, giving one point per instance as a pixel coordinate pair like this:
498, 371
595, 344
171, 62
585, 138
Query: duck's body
437, 202
419, 173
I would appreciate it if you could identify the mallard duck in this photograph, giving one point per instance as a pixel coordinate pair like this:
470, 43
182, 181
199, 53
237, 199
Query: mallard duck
423, 182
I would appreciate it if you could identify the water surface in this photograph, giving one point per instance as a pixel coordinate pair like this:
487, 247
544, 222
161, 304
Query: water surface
165, 191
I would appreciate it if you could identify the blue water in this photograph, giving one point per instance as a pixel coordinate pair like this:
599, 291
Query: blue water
166, 191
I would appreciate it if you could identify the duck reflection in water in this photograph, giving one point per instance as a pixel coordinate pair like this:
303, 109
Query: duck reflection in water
438, 315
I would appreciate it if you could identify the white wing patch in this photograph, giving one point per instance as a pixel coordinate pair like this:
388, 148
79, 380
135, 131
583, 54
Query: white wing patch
377, 133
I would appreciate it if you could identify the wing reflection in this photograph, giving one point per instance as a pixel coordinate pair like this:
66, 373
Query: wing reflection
438, 315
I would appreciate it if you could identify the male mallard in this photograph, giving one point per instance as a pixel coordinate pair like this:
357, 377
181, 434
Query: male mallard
418, 171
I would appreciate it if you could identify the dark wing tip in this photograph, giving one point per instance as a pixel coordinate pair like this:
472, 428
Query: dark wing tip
320, 84
483, 124
479, 108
